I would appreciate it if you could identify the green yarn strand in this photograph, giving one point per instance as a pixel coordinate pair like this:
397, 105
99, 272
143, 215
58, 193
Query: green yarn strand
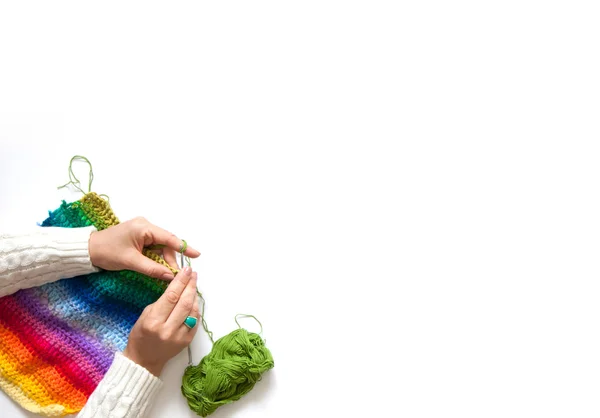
73, 178
248, 316
75, 181
204, 324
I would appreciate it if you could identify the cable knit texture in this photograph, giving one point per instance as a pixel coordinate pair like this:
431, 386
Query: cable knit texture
58, 340
42, 256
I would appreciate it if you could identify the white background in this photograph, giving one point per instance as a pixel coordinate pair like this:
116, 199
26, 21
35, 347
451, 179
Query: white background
405, 193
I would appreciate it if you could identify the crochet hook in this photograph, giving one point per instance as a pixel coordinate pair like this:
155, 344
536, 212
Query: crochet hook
189, 347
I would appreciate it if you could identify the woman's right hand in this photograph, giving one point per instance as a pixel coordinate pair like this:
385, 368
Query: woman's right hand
159, 334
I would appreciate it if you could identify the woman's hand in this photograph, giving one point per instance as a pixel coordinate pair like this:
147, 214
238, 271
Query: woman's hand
159, 334
120, 248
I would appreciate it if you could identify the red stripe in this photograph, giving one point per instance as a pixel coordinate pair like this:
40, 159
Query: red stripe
22, 323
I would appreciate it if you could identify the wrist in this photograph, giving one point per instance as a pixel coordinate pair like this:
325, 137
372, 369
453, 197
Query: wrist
154, 367
92, 245
97, 250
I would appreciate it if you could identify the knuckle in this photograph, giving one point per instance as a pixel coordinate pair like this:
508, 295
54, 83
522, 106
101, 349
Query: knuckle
171, 296
141, 225
144, 231
165, 335
150, 327
152, 272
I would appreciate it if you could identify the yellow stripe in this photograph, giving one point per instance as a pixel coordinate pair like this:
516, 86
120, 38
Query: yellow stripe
19, 396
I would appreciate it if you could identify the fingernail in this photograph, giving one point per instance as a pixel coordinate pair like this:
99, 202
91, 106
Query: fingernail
167, 276
187, 270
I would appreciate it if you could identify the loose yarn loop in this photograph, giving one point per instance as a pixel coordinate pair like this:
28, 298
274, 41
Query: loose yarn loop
73, 180
236, 362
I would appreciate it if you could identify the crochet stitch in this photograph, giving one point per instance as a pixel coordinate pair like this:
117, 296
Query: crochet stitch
58, 340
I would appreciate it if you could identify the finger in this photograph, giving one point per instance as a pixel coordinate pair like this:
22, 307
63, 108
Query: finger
160, 236
185, 304
164, 305
185, 332
142, 264
169, 256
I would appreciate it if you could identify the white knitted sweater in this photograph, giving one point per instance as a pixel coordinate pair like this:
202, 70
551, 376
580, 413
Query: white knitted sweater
45, 255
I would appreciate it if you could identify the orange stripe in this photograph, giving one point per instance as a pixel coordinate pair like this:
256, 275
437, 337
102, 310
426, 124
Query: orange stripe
40, 381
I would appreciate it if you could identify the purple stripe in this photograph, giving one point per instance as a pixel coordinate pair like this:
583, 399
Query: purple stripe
74, 342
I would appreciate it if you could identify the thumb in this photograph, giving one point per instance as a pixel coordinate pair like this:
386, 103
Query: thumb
144, 265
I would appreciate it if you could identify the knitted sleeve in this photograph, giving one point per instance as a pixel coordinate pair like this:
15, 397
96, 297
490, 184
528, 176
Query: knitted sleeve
43, 255
126, 391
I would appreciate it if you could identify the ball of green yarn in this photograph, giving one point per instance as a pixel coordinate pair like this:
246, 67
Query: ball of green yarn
235, 363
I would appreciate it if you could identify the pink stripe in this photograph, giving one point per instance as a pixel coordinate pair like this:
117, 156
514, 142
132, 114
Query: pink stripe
54, 346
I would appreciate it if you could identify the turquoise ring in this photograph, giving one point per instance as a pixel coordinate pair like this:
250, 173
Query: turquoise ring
190, 322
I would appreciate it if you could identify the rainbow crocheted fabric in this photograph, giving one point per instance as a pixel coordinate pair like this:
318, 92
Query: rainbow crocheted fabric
57, 341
